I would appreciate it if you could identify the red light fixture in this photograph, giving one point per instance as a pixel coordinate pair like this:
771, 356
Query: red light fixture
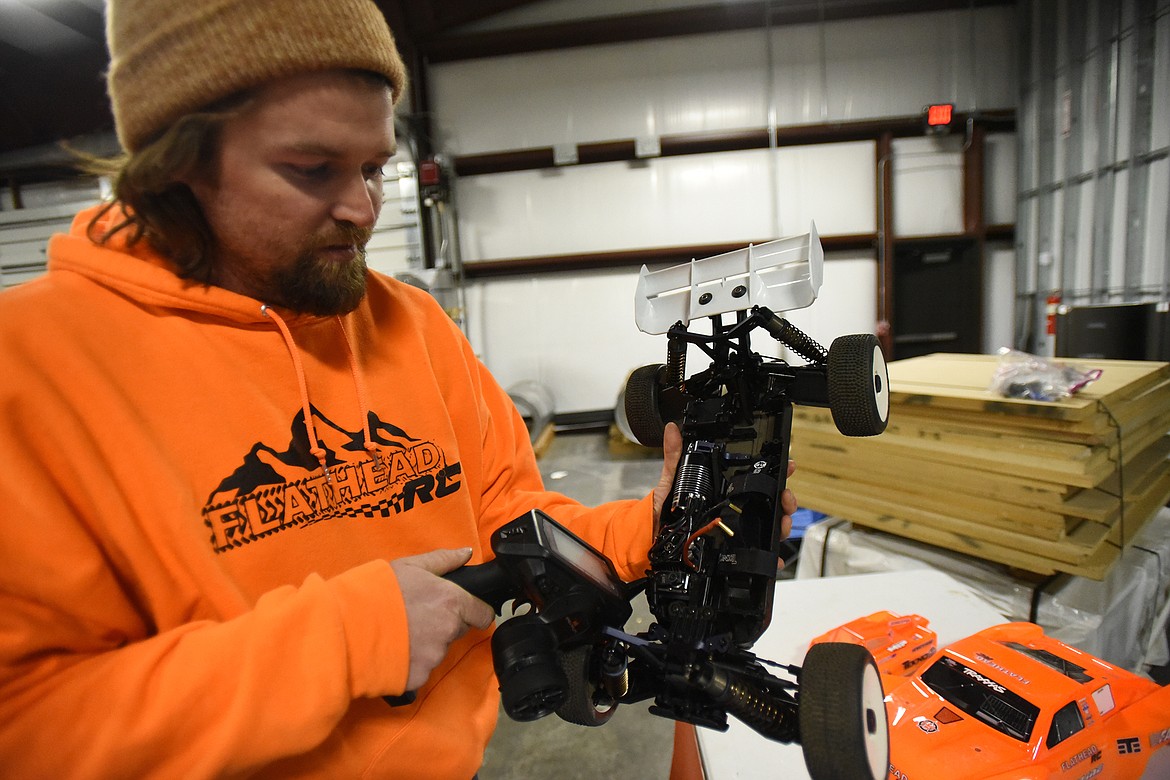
939, 117
430, 173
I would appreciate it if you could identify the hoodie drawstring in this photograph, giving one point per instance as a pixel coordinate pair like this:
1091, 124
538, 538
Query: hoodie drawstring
362, 396
315, 447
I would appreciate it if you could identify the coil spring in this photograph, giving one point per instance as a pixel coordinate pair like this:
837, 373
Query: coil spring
801, 343
694, 481
676, 363
759, 711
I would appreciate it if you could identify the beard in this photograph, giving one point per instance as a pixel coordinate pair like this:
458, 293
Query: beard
324, 287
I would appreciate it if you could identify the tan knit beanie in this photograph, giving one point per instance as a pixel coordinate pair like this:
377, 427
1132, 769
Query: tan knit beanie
170, 58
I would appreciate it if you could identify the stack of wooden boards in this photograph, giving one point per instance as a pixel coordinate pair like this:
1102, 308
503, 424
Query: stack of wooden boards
1045, 487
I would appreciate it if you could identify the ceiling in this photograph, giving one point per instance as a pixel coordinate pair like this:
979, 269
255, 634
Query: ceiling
52, 52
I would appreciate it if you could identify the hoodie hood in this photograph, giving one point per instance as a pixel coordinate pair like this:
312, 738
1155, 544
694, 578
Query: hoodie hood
137, 271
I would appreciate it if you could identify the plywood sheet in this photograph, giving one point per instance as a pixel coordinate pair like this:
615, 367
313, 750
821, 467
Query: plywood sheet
810, 486
1010, 498
963, 382
1043, 487
1091, 553
1062, 463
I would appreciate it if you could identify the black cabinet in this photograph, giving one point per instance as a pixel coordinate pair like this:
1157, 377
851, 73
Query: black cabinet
938, 289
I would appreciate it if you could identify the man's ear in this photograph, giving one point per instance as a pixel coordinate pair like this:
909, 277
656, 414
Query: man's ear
201, 181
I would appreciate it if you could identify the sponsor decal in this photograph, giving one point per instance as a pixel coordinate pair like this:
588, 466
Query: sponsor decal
1092, 752
986, 659
276, 488
1159, 738
989, 683
947, 715
928, 726
910, 664
1127, 745
897, 774
1094, 772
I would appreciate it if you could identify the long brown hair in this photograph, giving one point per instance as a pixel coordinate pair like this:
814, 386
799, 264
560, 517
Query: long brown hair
159, 207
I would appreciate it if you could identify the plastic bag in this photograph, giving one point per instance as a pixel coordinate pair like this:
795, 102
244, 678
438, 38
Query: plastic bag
1021, 375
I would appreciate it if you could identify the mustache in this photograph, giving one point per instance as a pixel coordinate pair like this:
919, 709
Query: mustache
345, 234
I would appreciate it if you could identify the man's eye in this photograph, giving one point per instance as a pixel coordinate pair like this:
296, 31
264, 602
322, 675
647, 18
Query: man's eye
311, 172
373, 171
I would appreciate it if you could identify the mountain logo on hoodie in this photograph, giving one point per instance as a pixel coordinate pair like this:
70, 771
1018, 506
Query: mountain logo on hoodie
275, 489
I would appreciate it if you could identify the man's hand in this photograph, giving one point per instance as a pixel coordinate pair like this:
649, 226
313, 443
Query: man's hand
788, 504
437, 611
672, 451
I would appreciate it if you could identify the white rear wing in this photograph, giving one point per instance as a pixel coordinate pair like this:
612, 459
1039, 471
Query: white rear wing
781, 275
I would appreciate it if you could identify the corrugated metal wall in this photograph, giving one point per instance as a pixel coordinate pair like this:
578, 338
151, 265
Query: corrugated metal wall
1094, 178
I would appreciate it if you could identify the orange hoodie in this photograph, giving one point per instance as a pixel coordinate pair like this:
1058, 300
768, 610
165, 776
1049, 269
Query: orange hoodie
184, 590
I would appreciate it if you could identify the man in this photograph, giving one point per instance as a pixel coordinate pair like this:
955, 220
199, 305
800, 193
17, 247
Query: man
236, 462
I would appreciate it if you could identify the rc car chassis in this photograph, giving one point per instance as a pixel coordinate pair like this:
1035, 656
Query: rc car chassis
714, 559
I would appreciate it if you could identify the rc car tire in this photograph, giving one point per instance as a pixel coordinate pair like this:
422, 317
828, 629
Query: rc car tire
843, 727
580, 705
642, 406
859, 387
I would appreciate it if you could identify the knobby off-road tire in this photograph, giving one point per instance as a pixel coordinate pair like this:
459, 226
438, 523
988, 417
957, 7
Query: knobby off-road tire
843, 726
643, 411
579, 706
859, 387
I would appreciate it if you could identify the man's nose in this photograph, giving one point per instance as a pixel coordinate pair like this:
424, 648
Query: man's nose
358, 202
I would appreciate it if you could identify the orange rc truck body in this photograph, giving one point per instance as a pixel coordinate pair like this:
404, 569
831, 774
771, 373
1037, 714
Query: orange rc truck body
898, 643
1011, 703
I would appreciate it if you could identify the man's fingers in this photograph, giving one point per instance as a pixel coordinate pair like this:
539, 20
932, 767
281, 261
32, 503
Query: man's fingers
440, 562
788, 505
476, 613
471, 610
788, 502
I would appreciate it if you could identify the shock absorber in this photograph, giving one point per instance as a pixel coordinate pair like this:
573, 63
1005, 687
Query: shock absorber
770, 714
676, 363
795, 339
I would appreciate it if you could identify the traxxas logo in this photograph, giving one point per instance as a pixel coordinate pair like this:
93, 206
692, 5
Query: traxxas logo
273, 490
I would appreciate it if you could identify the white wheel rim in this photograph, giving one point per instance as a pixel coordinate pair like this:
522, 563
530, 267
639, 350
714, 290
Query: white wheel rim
881, 384
874, 723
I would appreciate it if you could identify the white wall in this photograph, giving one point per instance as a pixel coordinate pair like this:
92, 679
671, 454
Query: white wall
47, 208
926, 199
396, 245
857, 69
575, 332
753, 195
998, 295
999, 194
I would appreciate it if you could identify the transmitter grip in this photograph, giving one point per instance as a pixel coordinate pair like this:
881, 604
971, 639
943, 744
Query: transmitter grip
488, 582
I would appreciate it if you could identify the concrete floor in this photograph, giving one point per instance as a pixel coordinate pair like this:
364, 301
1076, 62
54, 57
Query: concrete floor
634, 743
